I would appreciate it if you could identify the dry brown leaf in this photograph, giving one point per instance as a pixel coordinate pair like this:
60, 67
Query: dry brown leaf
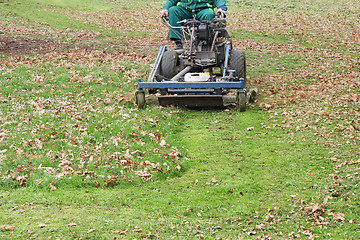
52, 186
137, 229
96, 183
213, 180
8, 228
73, 141
338, 216
125, 232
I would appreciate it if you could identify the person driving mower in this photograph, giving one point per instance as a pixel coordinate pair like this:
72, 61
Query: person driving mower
178, 10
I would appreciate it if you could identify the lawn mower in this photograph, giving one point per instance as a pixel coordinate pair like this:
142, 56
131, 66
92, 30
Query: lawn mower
207, 72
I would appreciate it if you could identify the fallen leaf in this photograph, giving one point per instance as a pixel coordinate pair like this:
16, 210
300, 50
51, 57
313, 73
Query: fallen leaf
9, 228
338, 216
29, 203
213, 180
163, 143
120, 232
265, 236
137, 229
52, 186
73, 141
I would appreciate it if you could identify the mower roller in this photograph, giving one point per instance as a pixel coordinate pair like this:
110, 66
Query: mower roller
207, 72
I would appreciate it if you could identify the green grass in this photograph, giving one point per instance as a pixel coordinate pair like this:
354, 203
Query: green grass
286, 168
225, 182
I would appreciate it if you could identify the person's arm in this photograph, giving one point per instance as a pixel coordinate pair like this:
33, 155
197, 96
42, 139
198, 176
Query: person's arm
220, 4
221, 8
170, 3
167, 5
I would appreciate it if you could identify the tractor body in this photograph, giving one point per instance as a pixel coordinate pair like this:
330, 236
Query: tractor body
206, 72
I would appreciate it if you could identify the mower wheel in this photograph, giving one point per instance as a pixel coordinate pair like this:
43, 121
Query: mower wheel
238, 63
241, 100
168, 64
140, 98
163, 91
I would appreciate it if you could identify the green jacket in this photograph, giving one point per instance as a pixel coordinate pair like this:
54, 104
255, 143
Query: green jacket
195, 4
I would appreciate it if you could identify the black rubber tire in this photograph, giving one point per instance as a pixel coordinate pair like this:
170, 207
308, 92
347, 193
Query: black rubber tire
168, 64
241, 100
238, 63
163, 91
140, 98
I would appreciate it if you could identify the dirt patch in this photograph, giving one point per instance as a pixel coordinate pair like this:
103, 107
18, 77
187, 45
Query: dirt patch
16, 46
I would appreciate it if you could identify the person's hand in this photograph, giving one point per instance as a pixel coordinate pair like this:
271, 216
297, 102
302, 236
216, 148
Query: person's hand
163, 13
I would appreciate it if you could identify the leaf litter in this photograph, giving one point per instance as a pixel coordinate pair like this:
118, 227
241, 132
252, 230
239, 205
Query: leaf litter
319, 99
81, 153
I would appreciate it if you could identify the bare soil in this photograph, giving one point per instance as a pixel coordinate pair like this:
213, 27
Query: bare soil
17, 46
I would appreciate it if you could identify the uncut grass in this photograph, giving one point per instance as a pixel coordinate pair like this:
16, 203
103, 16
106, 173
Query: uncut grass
307, 24
70, 112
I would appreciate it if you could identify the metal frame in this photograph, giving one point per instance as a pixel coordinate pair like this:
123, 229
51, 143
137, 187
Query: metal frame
201, 85
155, 68
192, 87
